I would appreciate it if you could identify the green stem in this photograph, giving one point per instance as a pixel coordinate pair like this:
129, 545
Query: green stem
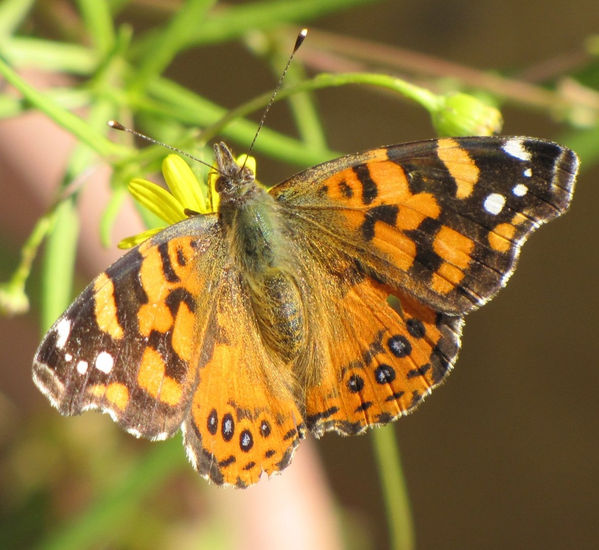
424, 97
303, 108
395, 493
98, 24
12, 14
13, 299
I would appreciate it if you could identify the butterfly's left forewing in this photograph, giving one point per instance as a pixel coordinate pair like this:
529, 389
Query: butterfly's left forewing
165, 339
128, 345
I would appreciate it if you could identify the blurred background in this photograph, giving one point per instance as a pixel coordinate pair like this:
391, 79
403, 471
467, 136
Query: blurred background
505, 454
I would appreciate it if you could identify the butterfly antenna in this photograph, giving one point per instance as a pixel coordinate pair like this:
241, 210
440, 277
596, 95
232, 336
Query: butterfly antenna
298, 42
118, 126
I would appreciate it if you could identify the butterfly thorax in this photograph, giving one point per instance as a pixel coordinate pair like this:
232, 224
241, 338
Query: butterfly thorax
255, 233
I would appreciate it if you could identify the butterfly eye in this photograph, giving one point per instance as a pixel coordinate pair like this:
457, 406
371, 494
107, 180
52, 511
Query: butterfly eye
223, 184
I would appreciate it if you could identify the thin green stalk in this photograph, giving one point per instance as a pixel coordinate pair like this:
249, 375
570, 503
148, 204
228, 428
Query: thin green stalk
306, 115
112, 210
73, 124
13, 299
49, 55
59, 261
303, 109
395, 493
117, 503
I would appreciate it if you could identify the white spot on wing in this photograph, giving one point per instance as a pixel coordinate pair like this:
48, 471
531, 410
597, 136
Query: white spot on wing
527, 173
520, 190
514, 148
494, 203
189, 450
48, 383
67, 357
63, 329
104, 362
191, 456
82, 367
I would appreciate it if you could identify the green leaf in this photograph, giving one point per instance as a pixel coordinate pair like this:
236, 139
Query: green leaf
98, 23
59, 262
49, 56
70, 122
173, 37
237, 20
12, 14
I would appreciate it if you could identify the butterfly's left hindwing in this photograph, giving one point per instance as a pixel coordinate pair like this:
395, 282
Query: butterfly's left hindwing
245, 416
128, 344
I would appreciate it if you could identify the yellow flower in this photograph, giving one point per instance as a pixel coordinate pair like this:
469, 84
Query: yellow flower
188, 195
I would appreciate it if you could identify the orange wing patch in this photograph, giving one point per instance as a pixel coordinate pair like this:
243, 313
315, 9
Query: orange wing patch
460, 165
166, 268
501, 238
455, 250
105, 310
384, 362
378, 204
152, 378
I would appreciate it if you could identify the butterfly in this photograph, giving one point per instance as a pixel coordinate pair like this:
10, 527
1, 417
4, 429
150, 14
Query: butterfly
333, 301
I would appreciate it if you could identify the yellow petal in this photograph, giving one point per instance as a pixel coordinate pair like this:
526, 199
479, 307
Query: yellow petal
184, 185
157, 200
249, 163
213, 196
130, 242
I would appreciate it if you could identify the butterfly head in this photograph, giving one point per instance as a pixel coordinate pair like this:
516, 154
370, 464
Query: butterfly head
235, 183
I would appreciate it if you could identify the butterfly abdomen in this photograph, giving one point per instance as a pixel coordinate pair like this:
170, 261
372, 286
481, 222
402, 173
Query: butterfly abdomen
259, 247
278, 307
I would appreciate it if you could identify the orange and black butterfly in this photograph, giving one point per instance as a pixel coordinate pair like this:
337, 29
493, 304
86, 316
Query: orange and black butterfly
268, 318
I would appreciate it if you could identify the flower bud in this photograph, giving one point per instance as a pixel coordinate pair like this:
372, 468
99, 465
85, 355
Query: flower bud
462, 114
